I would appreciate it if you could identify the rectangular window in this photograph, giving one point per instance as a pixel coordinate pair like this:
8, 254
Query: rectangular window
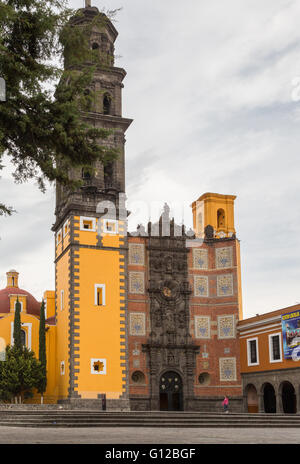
275, 348
66, 228
59, 237
88, 223
252, 352
62, 298
99, 295
110, 226
62, 368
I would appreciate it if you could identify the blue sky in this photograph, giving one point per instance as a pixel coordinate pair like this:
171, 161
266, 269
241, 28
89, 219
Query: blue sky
213, 91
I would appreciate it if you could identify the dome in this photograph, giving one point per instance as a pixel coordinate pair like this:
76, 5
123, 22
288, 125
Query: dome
32, 305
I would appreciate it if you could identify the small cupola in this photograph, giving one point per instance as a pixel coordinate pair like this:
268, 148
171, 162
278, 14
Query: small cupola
12, 278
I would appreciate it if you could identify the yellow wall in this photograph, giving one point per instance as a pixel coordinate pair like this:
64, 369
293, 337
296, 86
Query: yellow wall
208, 205
99, 333
62, 324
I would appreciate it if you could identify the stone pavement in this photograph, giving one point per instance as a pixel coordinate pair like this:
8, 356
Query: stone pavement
144, 435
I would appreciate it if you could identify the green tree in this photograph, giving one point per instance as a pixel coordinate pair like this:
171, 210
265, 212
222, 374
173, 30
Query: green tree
17, 326
42, 384
19, 374
42, 130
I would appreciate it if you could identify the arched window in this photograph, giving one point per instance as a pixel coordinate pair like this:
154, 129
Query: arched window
86, 174
106, 104
221, 218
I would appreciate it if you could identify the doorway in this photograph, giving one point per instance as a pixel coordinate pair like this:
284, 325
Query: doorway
288, 398
171, 392
269, 399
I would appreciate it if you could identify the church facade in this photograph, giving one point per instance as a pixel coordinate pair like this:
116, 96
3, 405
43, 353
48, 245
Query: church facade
146, 319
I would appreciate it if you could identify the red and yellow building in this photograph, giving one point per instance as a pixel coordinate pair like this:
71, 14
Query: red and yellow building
269, 362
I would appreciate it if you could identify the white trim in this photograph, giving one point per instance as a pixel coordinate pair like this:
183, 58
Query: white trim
62, 300
113, 221
85, 218
198, 316
271, 350
262, 328
62, 364
249, 352
260, 322
45, 307
96, 294
66, 223
59, 233
21, 303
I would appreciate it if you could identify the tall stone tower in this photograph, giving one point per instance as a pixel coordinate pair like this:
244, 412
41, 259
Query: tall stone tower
91, 248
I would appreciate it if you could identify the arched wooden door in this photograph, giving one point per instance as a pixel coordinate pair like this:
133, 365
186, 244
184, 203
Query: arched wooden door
171, 392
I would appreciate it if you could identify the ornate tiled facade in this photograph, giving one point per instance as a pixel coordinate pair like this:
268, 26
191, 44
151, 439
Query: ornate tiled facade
224, 285
227, 369
202, 326
201, 286
137, 324
136, 254
226, 326
200, 258
136, 282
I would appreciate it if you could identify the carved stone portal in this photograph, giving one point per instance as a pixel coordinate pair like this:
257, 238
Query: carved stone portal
169, 347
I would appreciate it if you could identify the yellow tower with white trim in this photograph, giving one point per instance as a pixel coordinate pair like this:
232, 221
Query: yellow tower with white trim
91, 251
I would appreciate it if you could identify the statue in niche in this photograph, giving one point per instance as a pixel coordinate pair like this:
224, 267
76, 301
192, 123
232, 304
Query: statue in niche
169, 320
169, 264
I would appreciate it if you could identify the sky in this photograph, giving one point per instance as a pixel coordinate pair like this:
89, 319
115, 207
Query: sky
214, 92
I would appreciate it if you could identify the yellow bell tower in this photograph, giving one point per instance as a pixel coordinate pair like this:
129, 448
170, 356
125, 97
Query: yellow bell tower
91, 249
216, 210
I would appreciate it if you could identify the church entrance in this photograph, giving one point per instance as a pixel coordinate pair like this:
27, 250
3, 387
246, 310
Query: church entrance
171, 392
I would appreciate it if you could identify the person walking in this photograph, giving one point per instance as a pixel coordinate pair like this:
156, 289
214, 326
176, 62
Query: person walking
225, 404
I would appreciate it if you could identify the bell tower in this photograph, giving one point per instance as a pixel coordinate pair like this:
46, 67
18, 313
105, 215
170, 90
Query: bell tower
91, 248
108, 180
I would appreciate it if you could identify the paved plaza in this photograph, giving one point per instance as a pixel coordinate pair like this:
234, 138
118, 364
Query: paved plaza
145, 435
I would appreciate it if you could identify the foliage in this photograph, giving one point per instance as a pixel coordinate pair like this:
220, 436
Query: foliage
19, 373
42, 384
45, 134
17, 325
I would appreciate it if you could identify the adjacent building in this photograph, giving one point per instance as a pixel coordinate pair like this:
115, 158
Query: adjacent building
269, 351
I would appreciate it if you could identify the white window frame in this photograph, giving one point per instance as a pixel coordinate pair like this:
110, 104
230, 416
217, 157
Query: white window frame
59, 233
114, 221
103, 294
62, 300
85, 218
66, 224
29, 332
21, 303
249, 351
93, 372
62, 364
271, 348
